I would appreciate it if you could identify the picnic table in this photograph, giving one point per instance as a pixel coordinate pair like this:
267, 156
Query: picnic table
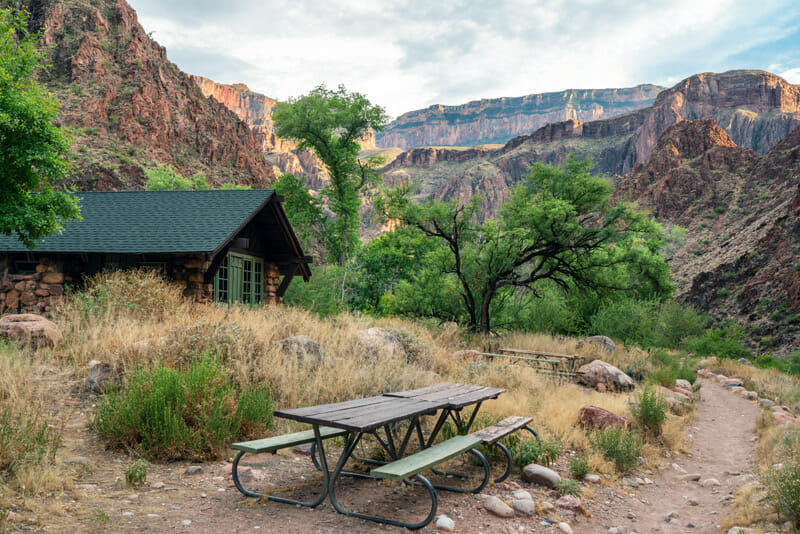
354, 419
560, 365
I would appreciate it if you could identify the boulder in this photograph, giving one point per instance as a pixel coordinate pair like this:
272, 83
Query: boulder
705, 373
594, 417
379, 343
469, 355
708, 362
101, 376
30, 329
498, 507
683, 384
603, 342
600, 372
745, 361
685, 392
539, 474
569, 502
302, 348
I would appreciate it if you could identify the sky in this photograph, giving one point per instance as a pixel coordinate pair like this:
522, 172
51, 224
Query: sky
407, 55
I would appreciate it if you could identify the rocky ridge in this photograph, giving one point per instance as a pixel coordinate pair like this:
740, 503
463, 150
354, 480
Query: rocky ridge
757, 110
130, 106
741, 212
497, 120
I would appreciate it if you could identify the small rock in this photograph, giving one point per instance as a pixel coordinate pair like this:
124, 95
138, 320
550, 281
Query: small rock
86, 487
569, 502
647, 481
766, 403
303, 448
614, 530
710, 482
630, 515
591, 477
445, 523
157, 485
152, 516
596, 417
740, 530
194, 470
546, 506
683, 384
498, 507
77, 460
13, 517
539, 474
678, 468
691, 477
132, 497
522, 495
630, 482
691, 501
186, 522
745, 361
127, 514
670, 516
564, 527
525, 506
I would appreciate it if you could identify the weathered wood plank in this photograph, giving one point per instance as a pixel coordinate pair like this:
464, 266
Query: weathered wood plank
543, 354
426, 458
423, 391
378, 418
497, 431
331, 408
286, 440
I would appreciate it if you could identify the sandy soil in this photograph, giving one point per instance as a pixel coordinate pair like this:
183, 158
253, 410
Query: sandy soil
102, 502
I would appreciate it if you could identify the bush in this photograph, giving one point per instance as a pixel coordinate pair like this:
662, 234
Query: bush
623, 447
228, 341
783, 485
136, 474
192, 413
665, 376
651, 412
536, 451
26, 440
144, 292
579, 466
722, 342
567, 486
792, 363
767, 361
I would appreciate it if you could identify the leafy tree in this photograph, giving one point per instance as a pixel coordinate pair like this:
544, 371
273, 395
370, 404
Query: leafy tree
559, 226
330, 123
304, 211
32, 148
166, 178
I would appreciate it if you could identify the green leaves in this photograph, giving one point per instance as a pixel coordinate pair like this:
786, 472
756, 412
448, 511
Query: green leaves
32, 148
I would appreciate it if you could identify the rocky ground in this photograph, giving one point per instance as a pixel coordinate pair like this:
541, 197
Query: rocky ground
687, 494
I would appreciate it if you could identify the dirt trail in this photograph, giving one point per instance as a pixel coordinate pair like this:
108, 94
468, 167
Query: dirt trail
722, 449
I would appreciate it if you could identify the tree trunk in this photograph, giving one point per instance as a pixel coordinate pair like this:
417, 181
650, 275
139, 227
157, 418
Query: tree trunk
488, 295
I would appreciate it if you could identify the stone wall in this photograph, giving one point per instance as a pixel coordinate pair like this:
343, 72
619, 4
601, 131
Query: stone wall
32, 293
192, 270
272, 280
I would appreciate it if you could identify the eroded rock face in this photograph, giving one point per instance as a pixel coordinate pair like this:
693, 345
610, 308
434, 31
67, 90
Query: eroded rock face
595, 417
381, 344
30, 329
132, 107
600, 372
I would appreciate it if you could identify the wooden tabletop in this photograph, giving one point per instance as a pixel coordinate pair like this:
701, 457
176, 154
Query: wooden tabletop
450, 395
361, 415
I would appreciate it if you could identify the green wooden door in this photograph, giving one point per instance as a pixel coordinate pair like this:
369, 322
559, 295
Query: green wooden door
239, 279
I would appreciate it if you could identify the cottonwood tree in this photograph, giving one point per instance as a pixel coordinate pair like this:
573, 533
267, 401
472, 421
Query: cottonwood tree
559, 226
32, 148
330, 123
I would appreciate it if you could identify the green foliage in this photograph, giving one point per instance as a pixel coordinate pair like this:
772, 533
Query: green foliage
303, 210
165, 178
136, 473
32, 149
538, 451
579, 466
623, 447
792, 364
724, 342
783, 483
651, 411
767, 361
559, 227
194, 412
329, 292
664, 376
330, 123
567, 486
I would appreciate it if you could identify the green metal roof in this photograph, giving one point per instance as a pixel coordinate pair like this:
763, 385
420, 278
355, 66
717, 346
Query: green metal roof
142, 222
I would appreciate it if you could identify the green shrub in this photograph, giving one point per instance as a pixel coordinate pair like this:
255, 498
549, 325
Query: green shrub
26, 440
651, 411
136, 474
623, 447
629, 320
665, 376
686, 373
783, 485
792, 364
567, 486
722, 342
193, 413
579, 466
536, 451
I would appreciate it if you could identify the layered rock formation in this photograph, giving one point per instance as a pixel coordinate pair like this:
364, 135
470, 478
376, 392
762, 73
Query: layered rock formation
497, 120
130, 106
757, 109
742, 215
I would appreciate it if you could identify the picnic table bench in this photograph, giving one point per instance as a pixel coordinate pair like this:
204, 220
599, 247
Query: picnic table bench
354, 419
560, 365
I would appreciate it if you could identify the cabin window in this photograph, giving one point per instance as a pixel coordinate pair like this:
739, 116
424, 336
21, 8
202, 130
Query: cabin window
239, 279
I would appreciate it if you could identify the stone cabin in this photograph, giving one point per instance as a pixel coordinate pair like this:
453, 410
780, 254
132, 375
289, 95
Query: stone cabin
223, 245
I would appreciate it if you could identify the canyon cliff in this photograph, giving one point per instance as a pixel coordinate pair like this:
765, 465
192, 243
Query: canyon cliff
130, 107
741, 212
497, 120
756, 109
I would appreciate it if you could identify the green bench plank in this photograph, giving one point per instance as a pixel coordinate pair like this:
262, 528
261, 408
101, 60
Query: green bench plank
286, 440
426, 458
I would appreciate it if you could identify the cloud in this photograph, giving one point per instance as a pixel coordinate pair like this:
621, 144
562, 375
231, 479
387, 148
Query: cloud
791, 75
410, 54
